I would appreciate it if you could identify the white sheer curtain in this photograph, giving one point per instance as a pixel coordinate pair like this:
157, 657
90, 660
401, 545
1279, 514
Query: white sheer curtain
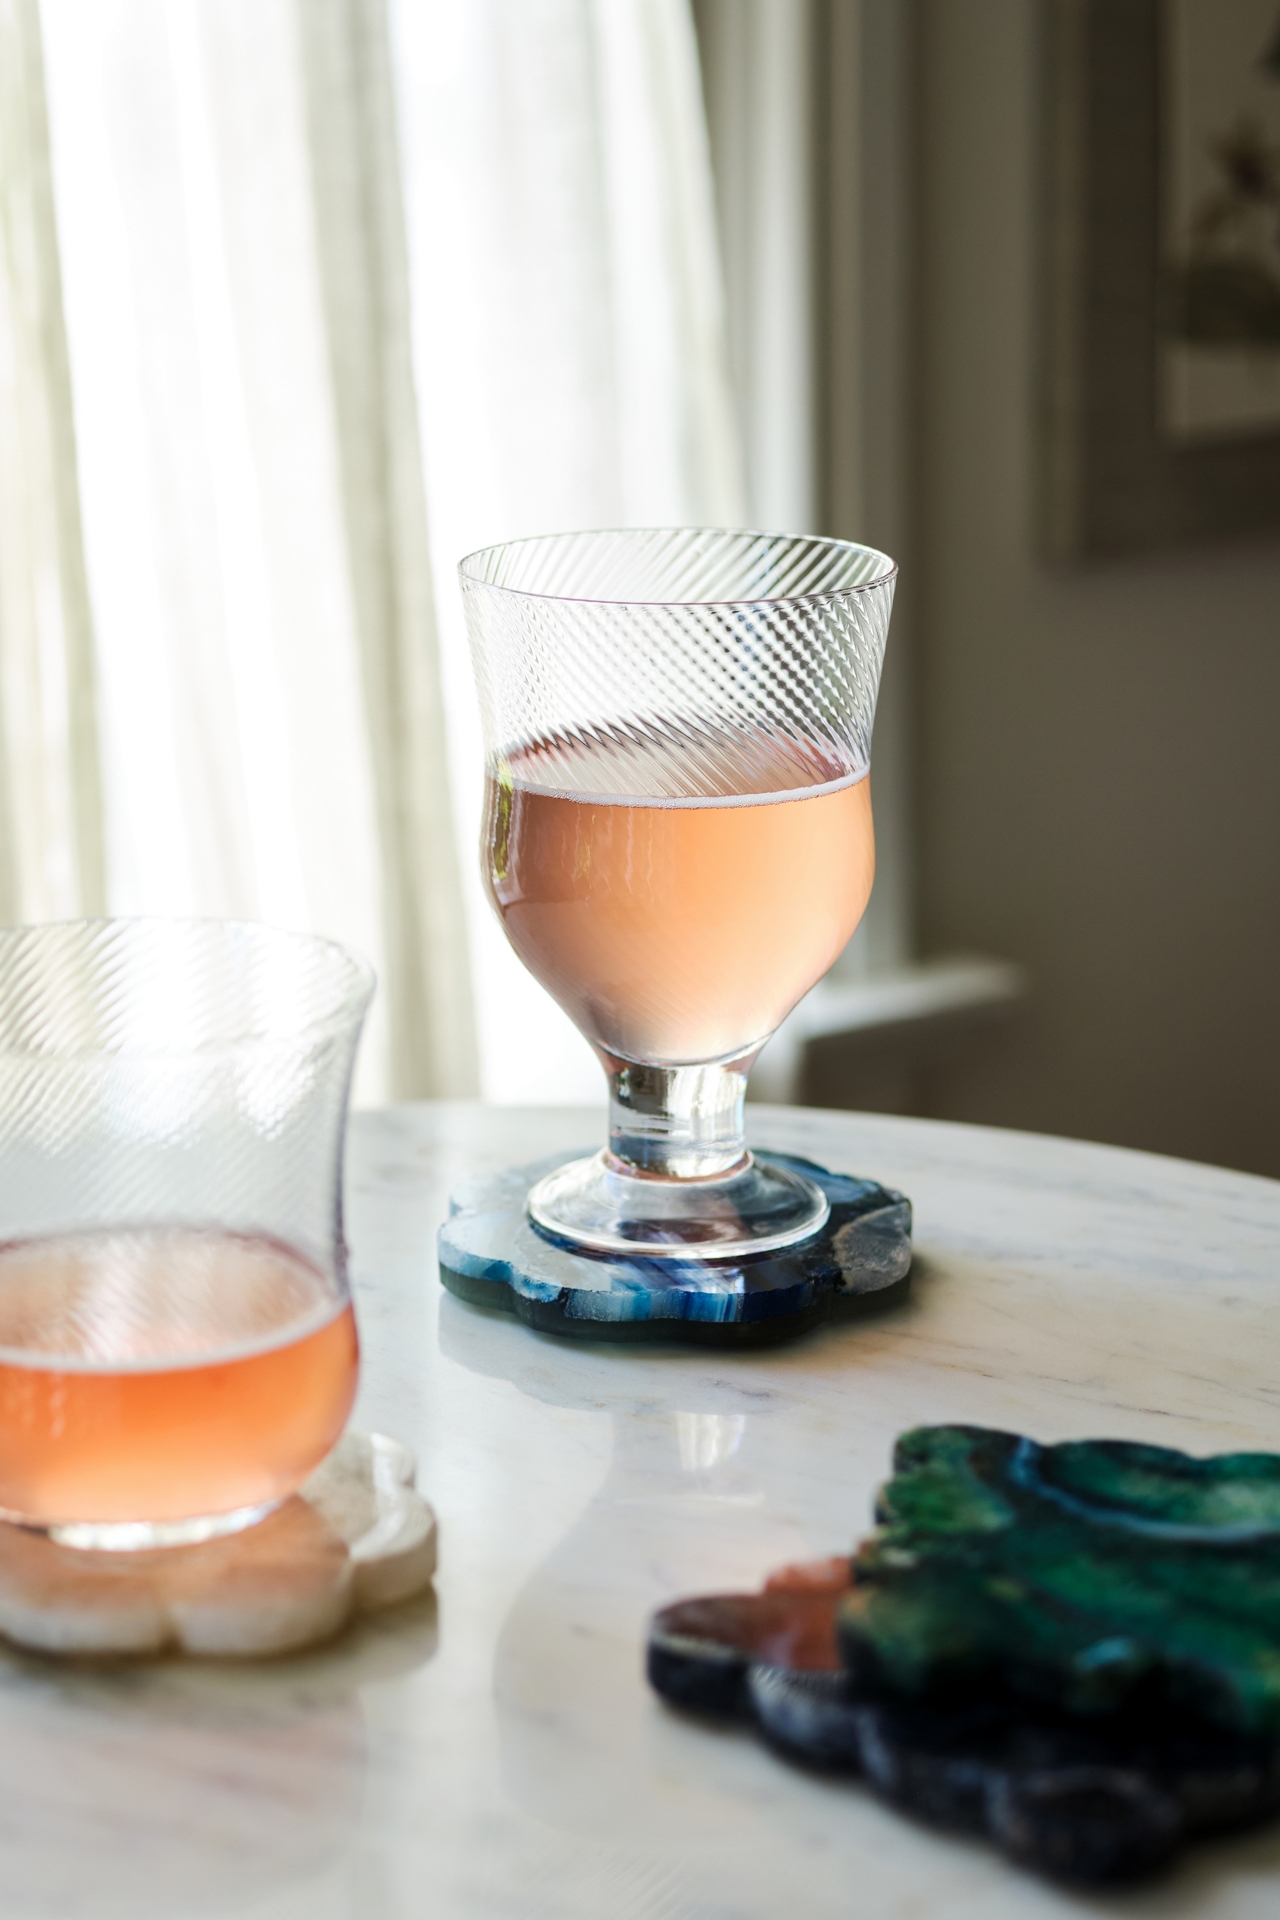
238, 697
288, 426
51, 851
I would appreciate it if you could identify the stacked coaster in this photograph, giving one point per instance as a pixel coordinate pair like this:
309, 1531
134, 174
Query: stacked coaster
358, 1537
492, 1255
1073, 1649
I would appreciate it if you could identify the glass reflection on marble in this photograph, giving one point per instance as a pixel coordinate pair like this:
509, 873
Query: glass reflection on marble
707, 1440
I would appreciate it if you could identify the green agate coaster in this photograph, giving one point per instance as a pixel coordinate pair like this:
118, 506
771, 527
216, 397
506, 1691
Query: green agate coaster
1088, 1575
1071, 1650
493, 1255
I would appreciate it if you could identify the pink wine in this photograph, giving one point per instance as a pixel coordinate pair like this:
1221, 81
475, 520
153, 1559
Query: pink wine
683, 929
165, 1373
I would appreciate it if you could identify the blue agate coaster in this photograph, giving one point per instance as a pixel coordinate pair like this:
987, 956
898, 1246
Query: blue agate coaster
492, 1255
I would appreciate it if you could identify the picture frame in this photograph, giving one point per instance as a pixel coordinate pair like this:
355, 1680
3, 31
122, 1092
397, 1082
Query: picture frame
1121, 471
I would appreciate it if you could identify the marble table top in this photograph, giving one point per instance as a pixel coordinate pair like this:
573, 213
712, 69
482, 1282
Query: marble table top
502, 1756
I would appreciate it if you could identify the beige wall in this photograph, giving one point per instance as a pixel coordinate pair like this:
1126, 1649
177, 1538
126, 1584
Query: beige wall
1098, 773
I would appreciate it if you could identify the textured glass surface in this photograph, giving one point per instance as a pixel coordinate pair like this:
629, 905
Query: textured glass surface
657, 663
177, 1348
155, 1072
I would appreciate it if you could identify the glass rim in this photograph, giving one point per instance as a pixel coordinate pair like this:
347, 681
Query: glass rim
881, 580
350, 1008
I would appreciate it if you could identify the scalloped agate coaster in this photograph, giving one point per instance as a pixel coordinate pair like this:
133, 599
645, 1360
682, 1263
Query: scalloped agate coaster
358, 1537
492, 1255
1090, 1575
1072, 1649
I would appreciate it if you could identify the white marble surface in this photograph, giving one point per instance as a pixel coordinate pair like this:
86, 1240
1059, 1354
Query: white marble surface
505, 1758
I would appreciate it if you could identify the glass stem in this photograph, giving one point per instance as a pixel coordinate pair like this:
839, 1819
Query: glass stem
676, 1123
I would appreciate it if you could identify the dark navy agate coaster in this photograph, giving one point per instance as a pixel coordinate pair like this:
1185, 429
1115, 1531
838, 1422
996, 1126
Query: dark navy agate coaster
492, 1255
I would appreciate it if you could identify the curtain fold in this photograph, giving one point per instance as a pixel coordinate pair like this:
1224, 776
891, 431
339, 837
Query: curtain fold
52, 863
364, 278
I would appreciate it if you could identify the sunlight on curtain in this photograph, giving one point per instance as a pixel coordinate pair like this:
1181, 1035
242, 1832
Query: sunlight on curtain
235, 730
568, 345
51, 854
364, 269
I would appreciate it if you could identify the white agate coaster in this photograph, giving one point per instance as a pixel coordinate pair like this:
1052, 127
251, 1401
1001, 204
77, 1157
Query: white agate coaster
355, 1538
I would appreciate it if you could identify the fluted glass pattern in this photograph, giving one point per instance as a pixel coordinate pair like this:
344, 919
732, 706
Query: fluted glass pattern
159, 1072
657, 663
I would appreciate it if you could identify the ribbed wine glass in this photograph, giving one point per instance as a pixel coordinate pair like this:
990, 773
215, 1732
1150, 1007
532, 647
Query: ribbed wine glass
177, 1347
678, 839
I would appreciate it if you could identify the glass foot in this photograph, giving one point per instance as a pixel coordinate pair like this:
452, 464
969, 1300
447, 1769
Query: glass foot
141, 1536
752, 1209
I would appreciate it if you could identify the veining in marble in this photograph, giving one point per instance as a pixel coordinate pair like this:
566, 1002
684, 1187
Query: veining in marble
508, 1762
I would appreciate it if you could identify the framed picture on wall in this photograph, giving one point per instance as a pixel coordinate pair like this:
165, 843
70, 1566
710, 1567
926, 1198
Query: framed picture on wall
1160, 420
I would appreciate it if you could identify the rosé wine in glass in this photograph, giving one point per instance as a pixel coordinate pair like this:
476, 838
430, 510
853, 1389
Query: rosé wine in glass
168, 1371
684, 931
